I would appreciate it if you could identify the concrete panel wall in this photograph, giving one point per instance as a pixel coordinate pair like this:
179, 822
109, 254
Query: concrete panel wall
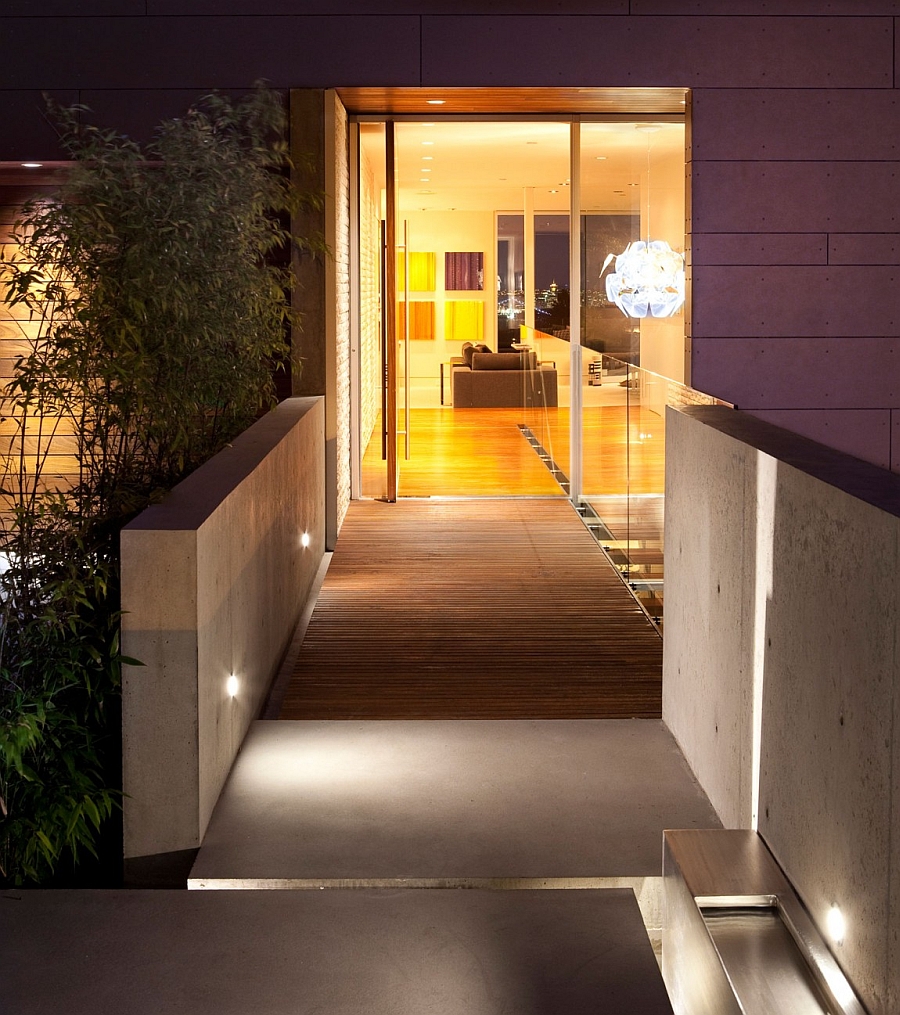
213, 582
782, 663
794, 149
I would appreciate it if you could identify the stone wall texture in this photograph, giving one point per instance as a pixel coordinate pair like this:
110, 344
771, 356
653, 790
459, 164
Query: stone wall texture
780, 678
341, 253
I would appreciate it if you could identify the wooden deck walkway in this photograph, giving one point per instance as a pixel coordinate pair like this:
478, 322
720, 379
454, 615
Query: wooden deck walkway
488, 609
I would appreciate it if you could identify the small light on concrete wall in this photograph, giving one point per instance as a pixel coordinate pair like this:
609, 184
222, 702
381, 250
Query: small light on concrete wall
32, 165
836, 924
231, 685
304, 540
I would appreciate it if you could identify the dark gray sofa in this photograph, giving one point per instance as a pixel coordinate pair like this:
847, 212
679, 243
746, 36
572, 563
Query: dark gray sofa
486, 380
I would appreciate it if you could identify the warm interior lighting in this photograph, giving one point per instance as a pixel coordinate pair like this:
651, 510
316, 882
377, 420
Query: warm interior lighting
428, 142
835, 924
435, 102
304, 540
231, 685
32, 165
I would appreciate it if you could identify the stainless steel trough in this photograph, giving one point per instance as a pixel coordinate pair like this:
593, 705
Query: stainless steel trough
736, 938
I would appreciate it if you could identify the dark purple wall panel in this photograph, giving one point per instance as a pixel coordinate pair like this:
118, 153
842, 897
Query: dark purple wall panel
72, 8
27, 134
138, 113
863, 433
895, 440
772, 124
265, 7
795, 196
864, 248
764, 8
736, 302
725, 52
758, 248
802, 373
113, 53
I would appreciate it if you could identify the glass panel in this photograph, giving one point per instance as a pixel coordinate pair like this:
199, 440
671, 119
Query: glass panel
632, 191
624, 468
470, 196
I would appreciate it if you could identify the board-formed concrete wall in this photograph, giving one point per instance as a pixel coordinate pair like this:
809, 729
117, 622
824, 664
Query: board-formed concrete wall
214, 579
781, 674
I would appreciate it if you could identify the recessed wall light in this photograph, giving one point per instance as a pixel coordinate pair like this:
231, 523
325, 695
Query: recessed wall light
601, 158
435, 102
427, 158
428, 142
304, 540
836, 924
554, 191
32, 165
231, 686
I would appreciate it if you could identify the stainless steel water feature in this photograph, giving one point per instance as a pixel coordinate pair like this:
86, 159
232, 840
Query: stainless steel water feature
736, 938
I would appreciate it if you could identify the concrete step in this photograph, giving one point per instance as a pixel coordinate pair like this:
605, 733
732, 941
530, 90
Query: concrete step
469, 803
340, 952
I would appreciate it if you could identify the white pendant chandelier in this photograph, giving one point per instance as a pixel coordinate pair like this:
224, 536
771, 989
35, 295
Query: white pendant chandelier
648, 280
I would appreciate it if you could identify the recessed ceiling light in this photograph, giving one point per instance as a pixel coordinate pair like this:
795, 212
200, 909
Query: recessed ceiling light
435, 102
427, 158
531, 142
428, 142
554, 191
425, 169
425, 191
427, 125
601, 158
32, 165
424, 179
633, 184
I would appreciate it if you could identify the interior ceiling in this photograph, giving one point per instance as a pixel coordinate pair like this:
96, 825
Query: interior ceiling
486, 166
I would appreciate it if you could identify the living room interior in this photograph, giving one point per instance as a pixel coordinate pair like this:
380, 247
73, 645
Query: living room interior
483, 211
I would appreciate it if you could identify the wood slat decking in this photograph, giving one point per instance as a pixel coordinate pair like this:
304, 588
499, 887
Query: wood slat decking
492, 609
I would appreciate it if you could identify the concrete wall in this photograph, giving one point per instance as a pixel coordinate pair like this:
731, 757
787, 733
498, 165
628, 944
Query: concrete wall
781, 677
794, 231
214, 579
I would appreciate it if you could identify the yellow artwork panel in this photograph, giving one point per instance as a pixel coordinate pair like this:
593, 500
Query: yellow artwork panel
421, 271
464, 320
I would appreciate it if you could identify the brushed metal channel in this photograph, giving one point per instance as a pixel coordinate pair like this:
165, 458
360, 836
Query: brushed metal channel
766, 945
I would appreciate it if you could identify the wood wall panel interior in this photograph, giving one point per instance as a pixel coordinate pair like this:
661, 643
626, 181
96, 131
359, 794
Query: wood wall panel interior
493, 609
496, 101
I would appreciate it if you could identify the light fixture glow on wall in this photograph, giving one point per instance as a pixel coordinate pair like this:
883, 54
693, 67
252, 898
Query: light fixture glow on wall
304, 540
836, 925
648, 280
231, 686
32, 165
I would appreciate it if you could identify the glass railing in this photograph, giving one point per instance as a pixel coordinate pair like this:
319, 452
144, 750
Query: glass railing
624, 465
546, 401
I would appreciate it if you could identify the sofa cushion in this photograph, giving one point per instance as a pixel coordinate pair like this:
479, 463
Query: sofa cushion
469, 349
501, 361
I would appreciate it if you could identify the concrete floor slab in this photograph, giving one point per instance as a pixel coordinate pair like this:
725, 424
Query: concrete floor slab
452, 802
344, 952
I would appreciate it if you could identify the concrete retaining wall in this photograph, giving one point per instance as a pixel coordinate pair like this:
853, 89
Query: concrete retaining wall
213, 582
781, 674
